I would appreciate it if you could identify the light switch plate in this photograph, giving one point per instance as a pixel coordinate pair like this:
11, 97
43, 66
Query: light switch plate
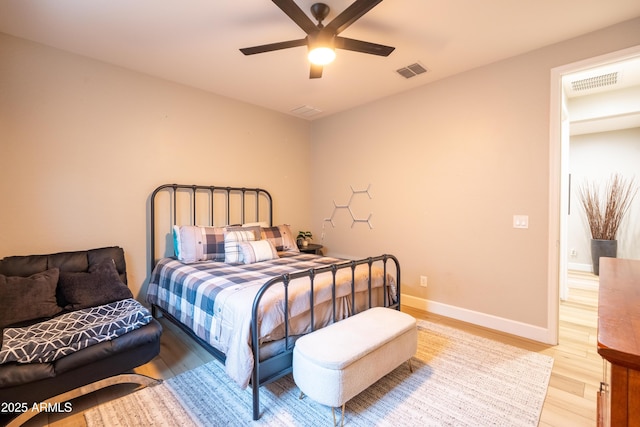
521, 221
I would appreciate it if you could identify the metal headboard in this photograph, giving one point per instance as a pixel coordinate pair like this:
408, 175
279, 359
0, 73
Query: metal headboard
239, 205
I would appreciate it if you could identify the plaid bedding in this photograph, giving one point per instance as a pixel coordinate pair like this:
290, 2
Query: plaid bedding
215, 299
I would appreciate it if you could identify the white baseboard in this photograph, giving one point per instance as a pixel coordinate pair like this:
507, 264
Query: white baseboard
508, 326
587, 268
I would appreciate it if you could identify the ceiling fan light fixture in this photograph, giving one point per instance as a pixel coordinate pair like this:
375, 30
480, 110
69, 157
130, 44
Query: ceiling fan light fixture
321, 55
322, 40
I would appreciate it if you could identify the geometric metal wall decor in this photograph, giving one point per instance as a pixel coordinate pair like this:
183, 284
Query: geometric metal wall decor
347, 206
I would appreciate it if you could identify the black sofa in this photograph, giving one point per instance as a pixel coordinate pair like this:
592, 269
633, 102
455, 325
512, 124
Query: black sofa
79, 277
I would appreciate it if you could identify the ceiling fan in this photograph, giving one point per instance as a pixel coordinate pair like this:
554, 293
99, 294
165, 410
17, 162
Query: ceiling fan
324, 37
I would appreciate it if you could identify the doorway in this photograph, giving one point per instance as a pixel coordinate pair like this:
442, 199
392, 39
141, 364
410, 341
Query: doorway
588, 71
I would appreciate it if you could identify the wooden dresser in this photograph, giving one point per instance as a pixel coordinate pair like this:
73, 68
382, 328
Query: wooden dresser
619, 341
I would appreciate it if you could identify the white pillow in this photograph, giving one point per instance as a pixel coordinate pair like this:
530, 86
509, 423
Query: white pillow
232, 252
256, 251
187, 243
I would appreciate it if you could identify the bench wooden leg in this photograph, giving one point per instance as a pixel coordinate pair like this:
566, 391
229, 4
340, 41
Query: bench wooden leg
410, 366
333, 412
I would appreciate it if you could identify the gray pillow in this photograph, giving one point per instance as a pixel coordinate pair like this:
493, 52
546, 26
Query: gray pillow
101, 285
28, 298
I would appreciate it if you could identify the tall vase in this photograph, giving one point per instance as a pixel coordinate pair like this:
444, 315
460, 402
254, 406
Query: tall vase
602, 248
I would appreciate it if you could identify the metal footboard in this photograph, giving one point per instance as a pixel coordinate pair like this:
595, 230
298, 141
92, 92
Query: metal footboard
280, 365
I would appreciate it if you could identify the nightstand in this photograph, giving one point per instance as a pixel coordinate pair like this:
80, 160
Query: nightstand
311, 248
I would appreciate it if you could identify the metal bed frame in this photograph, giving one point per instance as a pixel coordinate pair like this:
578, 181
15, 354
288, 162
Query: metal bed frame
275, 367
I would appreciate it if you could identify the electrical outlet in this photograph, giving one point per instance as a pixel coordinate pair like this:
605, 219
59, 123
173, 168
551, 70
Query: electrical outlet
574, 253
423, 281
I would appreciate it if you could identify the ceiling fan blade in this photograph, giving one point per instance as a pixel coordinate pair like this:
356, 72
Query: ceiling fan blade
363, 47
315, 72
273, 46
350, 15
296, 14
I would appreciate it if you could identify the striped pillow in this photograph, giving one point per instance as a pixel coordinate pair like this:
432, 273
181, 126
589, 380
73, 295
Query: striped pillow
256, 251
232, 240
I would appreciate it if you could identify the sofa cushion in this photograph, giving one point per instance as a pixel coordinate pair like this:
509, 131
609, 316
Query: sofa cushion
100, 285
27, 298
145, 335
23, 266
77, 261
12, 374
115, 253
69, 261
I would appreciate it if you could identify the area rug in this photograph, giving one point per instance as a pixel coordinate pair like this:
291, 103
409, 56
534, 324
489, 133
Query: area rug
458, 379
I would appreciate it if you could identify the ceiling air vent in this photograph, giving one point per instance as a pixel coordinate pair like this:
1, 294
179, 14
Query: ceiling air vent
305, 111
595, 82
411, 70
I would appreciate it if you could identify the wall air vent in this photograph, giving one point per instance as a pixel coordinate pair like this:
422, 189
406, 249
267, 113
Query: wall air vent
305, 111
595, 82
411, 70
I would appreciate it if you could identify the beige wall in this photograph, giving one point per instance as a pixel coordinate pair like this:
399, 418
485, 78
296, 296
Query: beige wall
449, 164
83, 144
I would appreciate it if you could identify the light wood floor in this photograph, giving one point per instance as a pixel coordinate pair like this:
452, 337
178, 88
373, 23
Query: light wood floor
571, 397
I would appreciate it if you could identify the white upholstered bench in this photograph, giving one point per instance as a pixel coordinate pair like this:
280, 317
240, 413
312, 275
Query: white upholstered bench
333, 364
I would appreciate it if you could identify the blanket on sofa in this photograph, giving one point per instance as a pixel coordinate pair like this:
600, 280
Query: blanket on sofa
52, 339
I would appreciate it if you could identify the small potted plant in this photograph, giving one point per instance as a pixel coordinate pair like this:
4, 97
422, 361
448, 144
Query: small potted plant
303, 238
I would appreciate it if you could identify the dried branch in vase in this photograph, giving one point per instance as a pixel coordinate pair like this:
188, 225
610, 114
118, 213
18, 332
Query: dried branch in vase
605, 213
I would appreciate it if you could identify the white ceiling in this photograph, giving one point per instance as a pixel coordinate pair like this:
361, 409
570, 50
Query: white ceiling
196, 42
